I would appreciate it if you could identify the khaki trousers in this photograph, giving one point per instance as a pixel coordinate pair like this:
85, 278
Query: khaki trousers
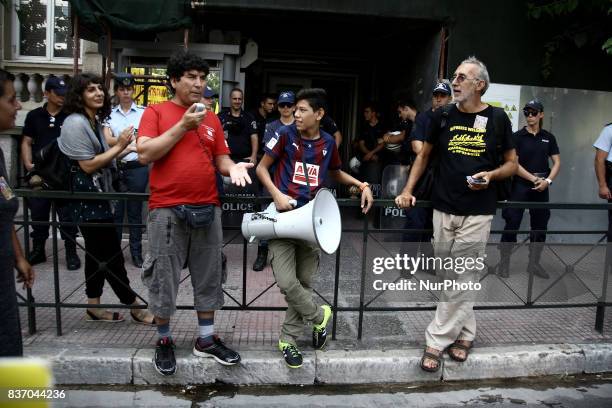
457, 236
294, 262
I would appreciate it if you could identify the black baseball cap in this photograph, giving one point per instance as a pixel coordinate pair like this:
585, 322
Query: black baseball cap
57, 85
124, 79
535, 105
442, 87
286, 97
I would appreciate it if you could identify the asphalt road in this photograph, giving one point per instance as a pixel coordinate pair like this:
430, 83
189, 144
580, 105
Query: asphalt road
550, 392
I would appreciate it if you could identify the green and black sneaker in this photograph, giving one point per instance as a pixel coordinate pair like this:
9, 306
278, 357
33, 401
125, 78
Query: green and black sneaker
292, 355
319, 331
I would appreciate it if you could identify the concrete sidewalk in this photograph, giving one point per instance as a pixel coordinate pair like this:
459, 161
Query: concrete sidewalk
86, 365
509, 342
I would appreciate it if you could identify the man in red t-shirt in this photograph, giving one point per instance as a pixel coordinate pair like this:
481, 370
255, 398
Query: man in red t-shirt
184, 223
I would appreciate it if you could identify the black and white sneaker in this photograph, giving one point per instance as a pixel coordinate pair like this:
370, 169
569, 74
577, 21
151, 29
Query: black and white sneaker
291, 354
217, 350
164, 360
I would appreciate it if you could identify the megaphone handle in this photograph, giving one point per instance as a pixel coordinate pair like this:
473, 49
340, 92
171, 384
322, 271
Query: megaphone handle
293, 203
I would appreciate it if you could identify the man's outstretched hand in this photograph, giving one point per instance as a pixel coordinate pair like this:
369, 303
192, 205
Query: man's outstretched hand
239, 173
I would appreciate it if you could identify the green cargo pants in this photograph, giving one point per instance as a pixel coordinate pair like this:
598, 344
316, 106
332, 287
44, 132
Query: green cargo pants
294, 262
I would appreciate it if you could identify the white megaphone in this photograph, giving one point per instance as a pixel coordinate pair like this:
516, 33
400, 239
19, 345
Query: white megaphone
317, 222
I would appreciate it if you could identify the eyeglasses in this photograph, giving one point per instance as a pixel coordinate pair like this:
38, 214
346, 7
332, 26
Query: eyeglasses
529, 112
285, 105
460, 78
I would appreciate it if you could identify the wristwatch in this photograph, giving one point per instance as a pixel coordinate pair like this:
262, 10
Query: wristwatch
549, 181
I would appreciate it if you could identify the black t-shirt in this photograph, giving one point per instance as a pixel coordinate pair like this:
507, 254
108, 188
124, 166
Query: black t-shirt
328, 125
238, 131
261, 125
421, 125
370, 134
467, 145
534, 150
43, 127
405, 155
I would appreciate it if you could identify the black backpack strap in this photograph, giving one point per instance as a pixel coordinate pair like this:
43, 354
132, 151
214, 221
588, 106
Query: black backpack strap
444, 117
446, 109
498, 116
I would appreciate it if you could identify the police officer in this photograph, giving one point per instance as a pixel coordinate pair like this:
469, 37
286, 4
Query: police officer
42, 126
603, 171
286, 108
398, 148
208, 98
329, 125
534, 147
264, 114
133, 176
240, 129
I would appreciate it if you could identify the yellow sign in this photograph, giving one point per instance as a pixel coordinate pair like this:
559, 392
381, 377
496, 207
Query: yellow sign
156, 93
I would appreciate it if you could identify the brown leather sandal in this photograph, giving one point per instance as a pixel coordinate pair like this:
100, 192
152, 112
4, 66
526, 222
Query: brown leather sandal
459, 346
437, 358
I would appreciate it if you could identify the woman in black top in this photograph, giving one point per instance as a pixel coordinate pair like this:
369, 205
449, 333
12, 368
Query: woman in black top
82, 140
535, 147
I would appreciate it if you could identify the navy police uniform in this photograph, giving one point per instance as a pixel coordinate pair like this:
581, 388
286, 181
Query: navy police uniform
238, 131
534, 152
44, 128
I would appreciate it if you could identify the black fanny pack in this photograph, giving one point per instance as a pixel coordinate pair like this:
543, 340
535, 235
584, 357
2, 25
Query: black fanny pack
196, 216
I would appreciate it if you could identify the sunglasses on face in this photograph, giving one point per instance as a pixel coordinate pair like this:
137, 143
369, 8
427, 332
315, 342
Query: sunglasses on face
528, 113
285, 105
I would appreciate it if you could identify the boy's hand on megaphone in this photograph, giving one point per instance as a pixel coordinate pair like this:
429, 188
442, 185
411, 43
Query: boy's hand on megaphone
283, 202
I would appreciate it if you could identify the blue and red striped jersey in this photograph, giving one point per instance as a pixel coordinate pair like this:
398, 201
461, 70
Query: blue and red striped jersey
288, 148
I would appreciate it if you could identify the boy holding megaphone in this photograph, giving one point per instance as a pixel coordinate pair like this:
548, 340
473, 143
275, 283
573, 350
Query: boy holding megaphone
305, 156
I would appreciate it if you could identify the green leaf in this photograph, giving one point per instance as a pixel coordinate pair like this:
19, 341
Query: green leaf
607, 47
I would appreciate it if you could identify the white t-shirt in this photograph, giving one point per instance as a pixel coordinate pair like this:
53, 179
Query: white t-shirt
604, 141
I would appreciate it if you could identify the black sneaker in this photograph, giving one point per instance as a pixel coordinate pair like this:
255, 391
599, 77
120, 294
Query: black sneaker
38, 255
292, 355
73, 262
262, 259
217, 350
223, 262
164, 360
137, 260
